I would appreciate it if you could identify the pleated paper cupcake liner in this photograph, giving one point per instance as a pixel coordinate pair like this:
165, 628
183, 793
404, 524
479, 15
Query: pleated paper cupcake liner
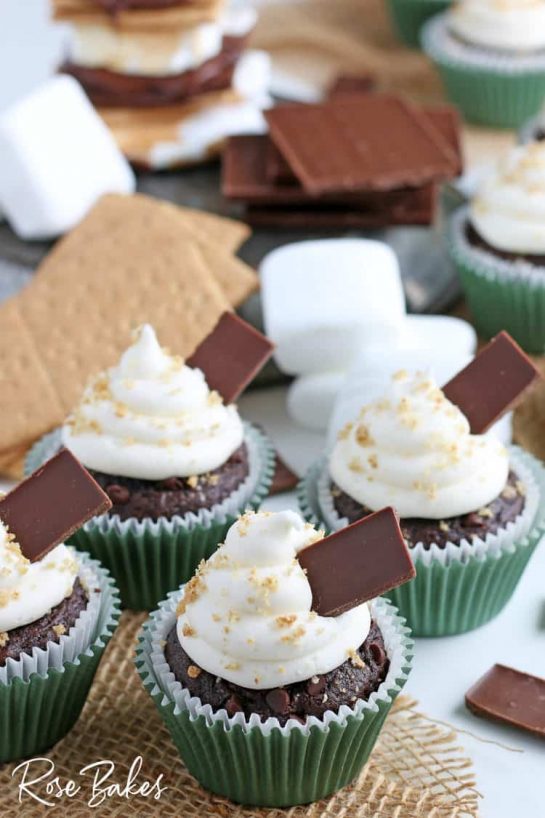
501, 294
264, 763
40, 706
458, 588
150, 558
408, 17
494, 89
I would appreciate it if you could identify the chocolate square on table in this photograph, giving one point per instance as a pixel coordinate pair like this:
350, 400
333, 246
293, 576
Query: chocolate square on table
358, 563
231, 356
510, 696
492, 383
50, 505
368, 142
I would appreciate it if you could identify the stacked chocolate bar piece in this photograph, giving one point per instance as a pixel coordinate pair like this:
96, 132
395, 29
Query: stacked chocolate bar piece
360, 159
171, 78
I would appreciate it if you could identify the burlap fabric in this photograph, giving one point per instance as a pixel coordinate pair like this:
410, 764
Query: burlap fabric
417, 768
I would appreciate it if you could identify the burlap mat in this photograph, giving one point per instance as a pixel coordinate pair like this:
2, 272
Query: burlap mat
417, 768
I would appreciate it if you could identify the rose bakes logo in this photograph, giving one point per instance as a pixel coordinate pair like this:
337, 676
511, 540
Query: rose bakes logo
96, 783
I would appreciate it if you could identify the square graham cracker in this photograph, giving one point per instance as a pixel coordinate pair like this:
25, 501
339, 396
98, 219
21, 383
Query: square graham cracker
117, 269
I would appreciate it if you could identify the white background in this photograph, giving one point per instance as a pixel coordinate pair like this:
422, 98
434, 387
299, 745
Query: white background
512, 783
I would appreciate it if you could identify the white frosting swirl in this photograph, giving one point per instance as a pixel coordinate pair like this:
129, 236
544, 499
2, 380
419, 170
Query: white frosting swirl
246, 615
412, 449
30, 590
151, 417
506, 25
509, 208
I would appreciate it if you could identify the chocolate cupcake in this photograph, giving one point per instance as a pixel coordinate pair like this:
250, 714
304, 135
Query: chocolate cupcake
57, 613
177, 463
463, 500
491, 58
498, 245
240, 647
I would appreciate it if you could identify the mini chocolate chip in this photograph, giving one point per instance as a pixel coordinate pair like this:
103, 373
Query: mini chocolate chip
377, 653
278, 700
172, 484
316, 685
474, 520
233, 706
119, 495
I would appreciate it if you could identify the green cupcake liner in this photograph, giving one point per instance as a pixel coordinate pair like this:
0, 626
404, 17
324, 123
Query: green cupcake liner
498, 94
501, 295
36, 714
408, 17
149, 560
447, 599
272, 766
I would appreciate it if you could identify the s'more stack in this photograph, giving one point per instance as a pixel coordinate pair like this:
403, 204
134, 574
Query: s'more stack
171, 78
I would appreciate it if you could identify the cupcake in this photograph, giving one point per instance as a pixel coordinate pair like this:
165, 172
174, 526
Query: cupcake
470, 509
177, 463
287, 702
57, 614
497, 243
491, 57
408, 17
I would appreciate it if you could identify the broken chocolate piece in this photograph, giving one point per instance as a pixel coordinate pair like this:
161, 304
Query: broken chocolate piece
367, 142
50, 505
356, 564
492, 383
348, 84
510, 696
283, 479
231, 356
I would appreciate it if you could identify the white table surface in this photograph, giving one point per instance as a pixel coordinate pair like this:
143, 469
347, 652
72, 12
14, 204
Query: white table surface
511, 782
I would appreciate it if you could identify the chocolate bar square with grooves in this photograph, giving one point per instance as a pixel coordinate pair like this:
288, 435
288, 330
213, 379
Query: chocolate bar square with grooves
50, 505
510, 696
367, 142
356, 564
231, 356
492, 383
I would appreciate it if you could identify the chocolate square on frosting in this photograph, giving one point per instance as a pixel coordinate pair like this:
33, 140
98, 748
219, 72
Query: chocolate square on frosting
51, 504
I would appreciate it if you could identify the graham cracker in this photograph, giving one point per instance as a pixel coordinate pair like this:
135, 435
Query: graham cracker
183, 16
138, 130
131, 260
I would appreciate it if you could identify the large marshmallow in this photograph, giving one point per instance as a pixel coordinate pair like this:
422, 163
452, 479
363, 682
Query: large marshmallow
441, 342
310, 398
324, 300
57, 158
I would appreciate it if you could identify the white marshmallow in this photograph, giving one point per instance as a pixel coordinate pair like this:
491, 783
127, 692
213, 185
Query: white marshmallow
57, 158
324, 300
311, 398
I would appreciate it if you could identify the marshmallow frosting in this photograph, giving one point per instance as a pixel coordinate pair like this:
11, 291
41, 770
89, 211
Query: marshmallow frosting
509, 208
30, 590
152, 417
246, 615
412, 449
157, 52
506, 25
